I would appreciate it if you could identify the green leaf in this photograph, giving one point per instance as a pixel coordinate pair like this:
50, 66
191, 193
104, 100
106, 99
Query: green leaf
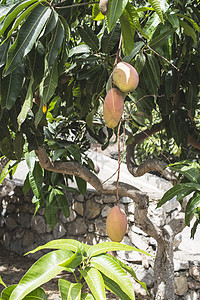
115, 288
109, 40
73, 261
37, 294
156, 6
131, 272
55, 43
22, 17
161, 38
68, 290
194, 24
89, 119
154, 65
2, 282
3, 52
49, 87
27, 105
11, 87
18, 145
67, 244
111, 246
82, 185
191, 170
5, 295
173, 19
136, 49
149, 80
96, 14
189, 31
176, 190
41, 271
74, 151
115, 10
140, 61
111, 269
128, 32
63, 204
87, 296
28, 34
95, 282
13, 14
89, 37
50, 213
192, 204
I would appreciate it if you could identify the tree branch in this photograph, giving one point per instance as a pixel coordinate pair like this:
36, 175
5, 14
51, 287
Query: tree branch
140, 199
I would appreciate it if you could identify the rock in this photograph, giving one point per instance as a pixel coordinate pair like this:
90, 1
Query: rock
92, 209
16, 246
77, 228
109, 198
131, 256
192, 295
28, 238
131, 208
59, 231
194, 285
137, 230
195, 272
105, 211
19, 232
25, 220
10, 208
71, 218
100, 227
126, 200
138, 240
98, 199
131, 218
90, 227
181, 285
11, 223
180, 265
80, 198
38, 224
6, 240
41, 211
78, 207
146, 275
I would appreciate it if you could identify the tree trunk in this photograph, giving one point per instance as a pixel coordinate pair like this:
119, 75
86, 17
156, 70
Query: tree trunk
164, 270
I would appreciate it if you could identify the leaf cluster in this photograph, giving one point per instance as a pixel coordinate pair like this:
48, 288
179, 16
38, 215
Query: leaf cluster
91, 265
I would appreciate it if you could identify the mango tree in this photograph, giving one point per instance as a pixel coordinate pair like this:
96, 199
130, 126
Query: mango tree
57, 60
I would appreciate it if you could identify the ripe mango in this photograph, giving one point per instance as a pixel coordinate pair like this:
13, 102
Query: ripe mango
125, 77
113, 107
103, 6
116, 224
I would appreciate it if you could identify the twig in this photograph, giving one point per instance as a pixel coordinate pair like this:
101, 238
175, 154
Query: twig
156, 51
73, 5
118, 51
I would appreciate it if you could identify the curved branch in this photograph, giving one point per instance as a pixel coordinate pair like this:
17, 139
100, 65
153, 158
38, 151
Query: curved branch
140, 199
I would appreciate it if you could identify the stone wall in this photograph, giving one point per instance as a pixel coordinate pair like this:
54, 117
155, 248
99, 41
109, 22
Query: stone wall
21, 231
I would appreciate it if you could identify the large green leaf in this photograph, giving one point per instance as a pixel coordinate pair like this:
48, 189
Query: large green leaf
68, 244
149, 79
115, 288
189, 30
63, 204
41, 271
55, 43
28, 34
111, 269
11, 87
22, 17
48, 89
69, 290
18, 145
192, 204
154, 65
180, 189
3, 52
95, 282
4, 9
27, 105
87, 296
109, 40
89, 37
137, 47
5, 295
156, 6
37, 294
161, 38
73, 261
128, 32
111, 246
191, 170
50, 212
13, 14
115, 10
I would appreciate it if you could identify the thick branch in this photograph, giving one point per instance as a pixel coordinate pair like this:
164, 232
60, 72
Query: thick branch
140, 199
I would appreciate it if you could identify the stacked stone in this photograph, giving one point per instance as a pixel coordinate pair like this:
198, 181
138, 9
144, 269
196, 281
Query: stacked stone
22, 231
